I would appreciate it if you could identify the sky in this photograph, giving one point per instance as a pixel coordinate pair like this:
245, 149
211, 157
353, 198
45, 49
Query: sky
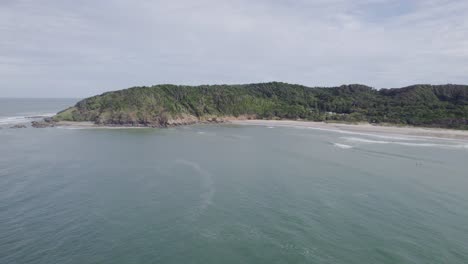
70, 48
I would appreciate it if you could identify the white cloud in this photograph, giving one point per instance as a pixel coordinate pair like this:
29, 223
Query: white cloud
66, 48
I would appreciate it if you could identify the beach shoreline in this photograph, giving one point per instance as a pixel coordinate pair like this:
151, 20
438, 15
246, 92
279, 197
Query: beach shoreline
439, 133
422, 132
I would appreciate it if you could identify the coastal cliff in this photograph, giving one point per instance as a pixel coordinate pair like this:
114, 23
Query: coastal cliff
170, 105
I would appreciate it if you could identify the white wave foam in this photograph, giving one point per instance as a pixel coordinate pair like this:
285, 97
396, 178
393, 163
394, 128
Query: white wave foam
411, 144
10, 120
13, 120
363, 140
72, 127
390, 136
387, 136
343, 146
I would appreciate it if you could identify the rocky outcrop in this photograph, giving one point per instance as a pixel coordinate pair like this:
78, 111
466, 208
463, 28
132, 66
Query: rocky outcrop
47, 122
19, 126
159, 122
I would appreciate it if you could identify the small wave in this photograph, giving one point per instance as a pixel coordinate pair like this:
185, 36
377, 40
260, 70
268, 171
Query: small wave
343, 146
270, 127
411, 144
363, 140
72, 127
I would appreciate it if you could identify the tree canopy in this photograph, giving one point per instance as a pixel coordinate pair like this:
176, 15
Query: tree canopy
418, 105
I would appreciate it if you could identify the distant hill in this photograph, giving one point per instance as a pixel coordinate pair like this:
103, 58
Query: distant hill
166, 105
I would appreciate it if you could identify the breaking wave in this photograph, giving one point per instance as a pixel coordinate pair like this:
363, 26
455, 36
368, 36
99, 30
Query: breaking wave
393, 136
19, 119
342, 146
411, 144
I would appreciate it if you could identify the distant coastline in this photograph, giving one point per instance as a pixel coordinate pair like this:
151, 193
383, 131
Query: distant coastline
444, 106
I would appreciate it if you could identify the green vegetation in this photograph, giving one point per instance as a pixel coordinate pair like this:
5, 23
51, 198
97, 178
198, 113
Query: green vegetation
418, 105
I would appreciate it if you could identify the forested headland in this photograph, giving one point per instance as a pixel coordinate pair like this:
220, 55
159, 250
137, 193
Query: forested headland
165, 105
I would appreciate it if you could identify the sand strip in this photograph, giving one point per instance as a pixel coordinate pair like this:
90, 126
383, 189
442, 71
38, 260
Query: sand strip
364, 128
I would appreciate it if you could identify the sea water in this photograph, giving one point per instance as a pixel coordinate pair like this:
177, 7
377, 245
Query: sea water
226, 194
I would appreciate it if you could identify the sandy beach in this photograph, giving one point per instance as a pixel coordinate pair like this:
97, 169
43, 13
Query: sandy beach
440, 133
363, 128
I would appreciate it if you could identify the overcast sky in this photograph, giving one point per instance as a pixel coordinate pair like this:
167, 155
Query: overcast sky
70, 48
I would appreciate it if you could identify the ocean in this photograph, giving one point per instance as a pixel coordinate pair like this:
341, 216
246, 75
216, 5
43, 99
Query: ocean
226, 194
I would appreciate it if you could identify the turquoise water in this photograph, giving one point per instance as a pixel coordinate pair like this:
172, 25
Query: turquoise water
228, 194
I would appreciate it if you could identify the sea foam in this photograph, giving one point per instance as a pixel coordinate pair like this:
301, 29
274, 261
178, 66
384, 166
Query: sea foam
410, 144
342, 146
11, 120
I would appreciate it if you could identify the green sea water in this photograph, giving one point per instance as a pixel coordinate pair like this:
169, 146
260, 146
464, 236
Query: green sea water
227, 194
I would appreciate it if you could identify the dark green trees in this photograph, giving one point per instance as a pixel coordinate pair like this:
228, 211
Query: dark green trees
419, 105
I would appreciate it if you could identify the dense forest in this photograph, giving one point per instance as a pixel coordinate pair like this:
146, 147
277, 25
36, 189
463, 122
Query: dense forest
418, 105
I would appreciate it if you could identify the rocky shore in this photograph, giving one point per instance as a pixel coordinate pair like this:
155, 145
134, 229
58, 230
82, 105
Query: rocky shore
47, 122
180, 121
19, 126
170, 123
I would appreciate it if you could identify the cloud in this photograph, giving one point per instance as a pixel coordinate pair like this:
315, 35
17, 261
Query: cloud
66, 48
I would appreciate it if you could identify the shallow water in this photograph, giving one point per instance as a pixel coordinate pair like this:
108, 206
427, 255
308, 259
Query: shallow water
229, 194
